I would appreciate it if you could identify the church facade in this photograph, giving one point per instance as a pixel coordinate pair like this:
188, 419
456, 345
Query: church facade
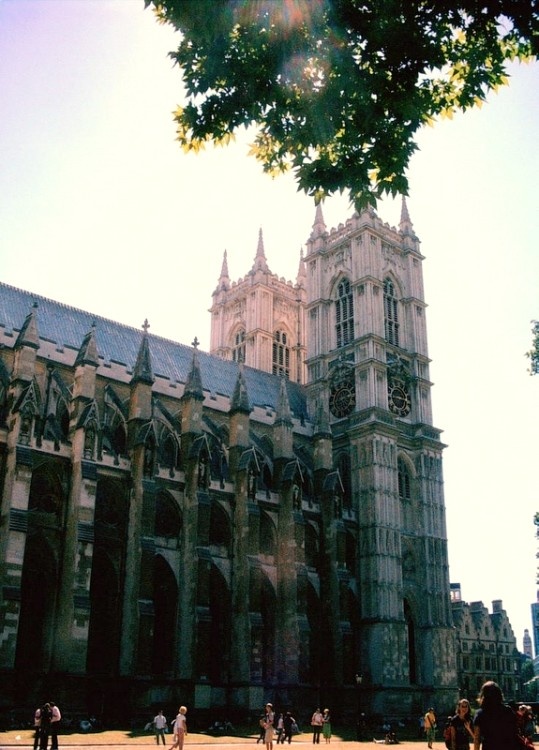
263, 522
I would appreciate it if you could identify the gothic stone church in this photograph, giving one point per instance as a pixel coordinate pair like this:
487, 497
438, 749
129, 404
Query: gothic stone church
263, 522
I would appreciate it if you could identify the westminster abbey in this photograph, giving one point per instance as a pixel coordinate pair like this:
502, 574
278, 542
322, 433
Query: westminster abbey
262, 522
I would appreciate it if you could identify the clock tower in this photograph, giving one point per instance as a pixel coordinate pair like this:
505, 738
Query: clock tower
368, 365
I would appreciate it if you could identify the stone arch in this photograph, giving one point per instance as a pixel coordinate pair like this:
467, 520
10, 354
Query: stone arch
105, 613
28, 404
220, 531
267, 535
107, 576
114, 429
165, 607
48, 491
262, 607
167, 521
214, 630
38, 597
169, 450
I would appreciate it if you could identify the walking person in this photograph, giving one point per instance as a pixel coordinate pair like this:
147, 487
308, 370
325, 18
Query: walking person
44, 725
55, 724
317, 721
461, 727
430, 726
159, 726
262, 732
288, 724
269, 721
326, 726
280, 728
180, 728
495, 724
37, 727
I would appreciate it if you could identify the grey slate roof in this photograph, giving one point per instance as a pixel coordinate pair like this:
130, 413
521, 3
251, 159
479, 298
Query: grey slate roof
67, 327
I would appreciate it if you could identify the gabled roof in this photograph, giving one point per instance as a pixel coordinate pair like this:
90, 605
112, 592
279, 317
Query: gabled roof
67, 327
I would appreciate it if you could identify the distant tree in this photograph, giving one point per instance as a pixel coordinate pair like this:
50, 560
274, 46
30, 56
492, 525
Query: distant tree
527, 672
337, 89
533, 354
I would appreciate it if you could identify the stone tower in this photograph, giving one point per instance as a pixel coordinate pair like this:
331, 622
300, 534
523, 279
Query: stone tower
259, 319
368, 365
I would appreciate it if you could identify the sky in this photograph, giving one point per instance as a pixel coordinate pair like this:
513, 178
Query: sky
100, 209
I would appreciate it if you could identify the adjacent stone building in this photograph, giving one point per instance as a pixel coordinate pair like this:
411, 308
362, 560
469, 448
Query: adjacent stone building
178, 526
486, 648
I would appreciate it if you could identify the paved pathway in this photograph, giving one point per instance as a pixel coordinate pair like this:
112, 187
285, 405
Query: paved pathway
122, 740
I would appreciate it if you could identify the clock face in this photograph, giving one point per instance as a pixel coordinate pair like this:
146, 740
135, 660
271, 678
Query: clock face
399, 397
341, 400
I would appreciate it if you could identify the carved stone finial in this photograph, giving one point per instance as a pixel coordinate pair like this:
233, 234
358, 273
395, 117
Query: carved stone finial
195, 343
145, 325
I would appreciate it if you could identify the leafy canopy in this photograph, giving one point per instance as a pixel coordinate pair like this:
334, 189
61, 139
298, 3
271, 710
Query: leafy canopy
336, 89
533, 354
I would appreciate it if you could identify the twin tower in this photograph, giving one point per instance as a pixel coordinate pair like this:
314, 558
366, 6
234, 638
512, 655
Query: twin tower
352, 330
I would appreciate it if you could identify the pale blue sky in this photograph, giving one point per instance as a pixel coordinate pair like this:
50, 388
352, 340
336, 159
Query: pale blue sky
100, 209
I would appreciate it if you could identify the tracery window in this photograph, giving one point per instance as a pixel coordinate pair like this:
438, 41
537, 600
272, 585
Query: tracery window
344, 314
281, 354
391, 313
238, 350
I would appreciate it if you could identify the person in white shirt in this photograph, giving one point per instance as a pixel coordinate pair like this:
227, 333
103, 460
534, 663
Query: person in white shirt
159, 725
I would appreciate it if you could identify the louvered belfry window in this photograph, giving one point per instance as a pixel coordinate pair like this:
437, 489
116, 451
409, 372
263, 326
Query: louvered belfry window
344, 314
391, 313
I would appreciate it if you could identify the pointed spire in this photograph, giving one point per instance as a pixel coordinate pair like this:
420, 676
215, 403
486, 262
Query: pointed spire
28, 335
240, 397
260, 263
321, 422
283, 404
88, 354
405, 226
224, 279
302, 273
143, 372
319, 226
193, 386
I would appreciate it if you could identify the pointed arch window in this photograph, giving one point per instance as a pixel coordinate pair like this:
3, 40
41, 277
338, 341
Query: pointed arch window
238, 350
281, 354
391, 313
344, 314
404, 480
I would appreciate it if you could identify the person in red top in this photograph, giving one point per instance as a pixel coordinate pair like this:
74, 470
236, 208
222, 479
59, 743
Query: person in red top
317, 721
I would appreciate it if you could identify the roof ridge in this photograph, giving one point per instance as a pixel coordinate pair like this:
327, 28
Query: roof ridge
96, 316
